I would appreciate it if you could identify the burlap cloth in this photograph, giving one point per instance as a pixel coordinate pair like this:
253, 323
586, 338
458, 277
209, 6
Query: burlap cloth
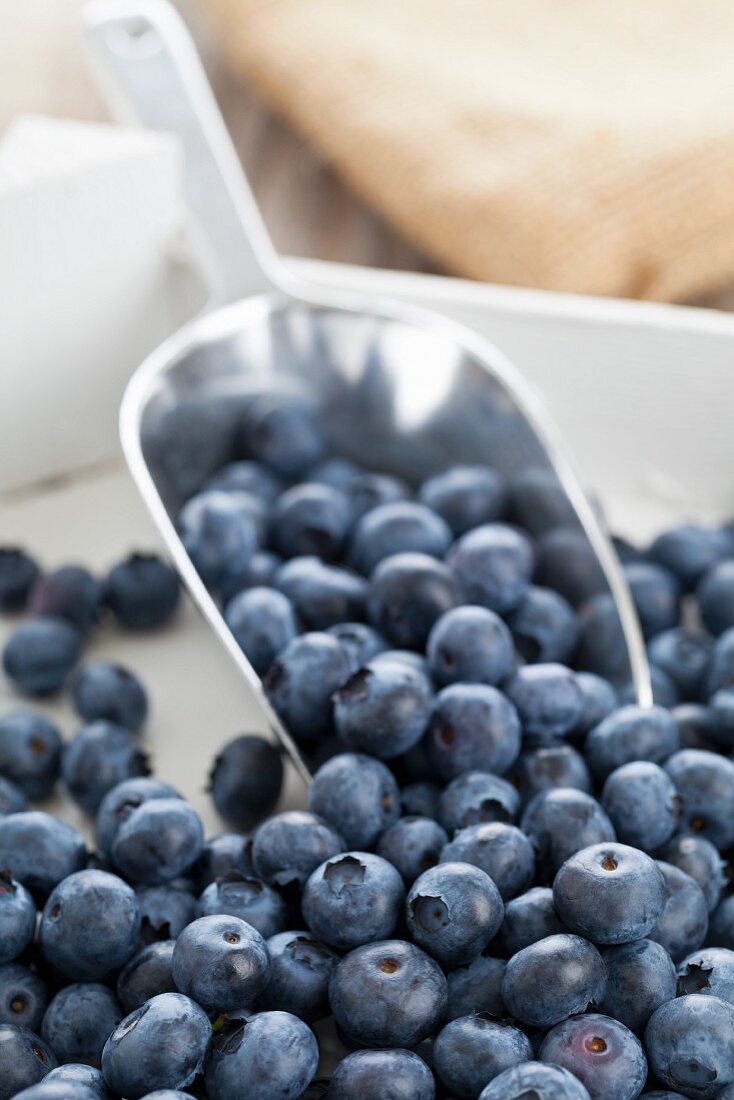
581, 145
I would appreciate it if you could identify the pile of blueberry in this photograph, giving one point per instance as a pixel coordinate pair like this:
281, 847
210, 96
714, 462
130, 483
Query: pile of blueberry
511, 881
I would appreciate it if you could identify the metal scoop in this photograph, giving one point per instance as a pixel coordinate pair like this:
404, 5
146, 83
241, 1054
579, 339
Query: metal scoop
398, 388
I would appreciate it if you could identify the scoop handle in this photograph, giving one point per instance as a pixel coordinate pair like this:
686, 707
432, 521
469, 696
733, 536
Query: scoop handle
147, 65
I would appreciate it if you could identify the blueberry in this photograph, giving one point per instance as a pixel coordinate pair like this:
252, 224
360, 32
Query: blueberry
17, 918
642, 804
311, 518
143, 591
146, 974
246, 780
709, 971
267, 1055
721, 924
548, 699
697, 725
610, 893
98, 758
535, 1079
219, 533
562, 821
39, 850
599, 700
408, 593
453, 911
544, 627
161, 1045
23, 996
470, 644
108, 691
683, 924
567, 563
690, 1044
492, 566
248, 477
90, 925
290, 846
300, 970
472, 1050
341, 473
605, 1056
352, 899
552, 979
79, 1020
473, 728
721, 671
640, 977
475, 797
119, 803
377, 1074
158, 841
476, 987
700, 859
502, 851
77, 1076
30, 752
360, 642
538, 501
249, 899
164, 912
260, 570
420, 800
656, 596
528, 918
69, 593
602, 649
59, 1090
399, 528
367, 491
18, 572
388, 994
547, 767
221, 854
280, 429
685, 656
412, 845
357, 795
705, 784
631, 733
24, 1060
689, 552
466, 496
323, 595
301, 682
383, 709
191, 440
220, 961
12, 798
39, 654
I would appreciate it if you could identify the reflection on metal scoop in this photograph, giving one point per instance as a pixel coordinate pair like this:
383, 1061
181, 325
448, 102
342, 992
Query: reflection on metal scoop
397, 388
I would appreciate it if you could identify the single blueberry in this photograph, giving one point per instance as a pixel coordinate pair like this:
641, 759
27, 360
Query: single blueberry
560, 822
311, 518
544, 627
477, 987
18, 572
146, 974
470, 644
642, 804
119, 803
323, 595
108, 691
548, 767
340, 473
404, 527
360, 642
219, 533
605, 1056
383, 709
599, 700
552, 979
357, 795
90, 925
377, 1074
528, 918
388, 994
30, 752
689, 552
690, 1045
466, 496
249, 899
220, 961
475, 797
471, 1051
420, 799
709, 971
248, 477
683, 923
164, 912
301, 682
655, 593
266, 1055
412, 845
367, 491
700, 859
548, 699
538, 502
12, 798
39, 654
192, 440
24, 996
299, 975
281, 430
78, 1076
474, 727
705, 784
610, 893
17, 918
640, 978
531, 1080
492, 566
290, 846
161, 1045
697, 725
246, 779
408, 592
721, 670
221, 854
99, 757
158, 841
685, 655
79, 1020
453, 911
24, 1060
39, 850
260, 570
142, 591
352, 899
567, 563
631, 733
69, 593
502, 851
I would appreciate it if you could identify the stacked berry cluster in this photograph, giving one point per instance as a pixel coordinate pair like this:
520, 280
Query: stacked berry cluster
510, 882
